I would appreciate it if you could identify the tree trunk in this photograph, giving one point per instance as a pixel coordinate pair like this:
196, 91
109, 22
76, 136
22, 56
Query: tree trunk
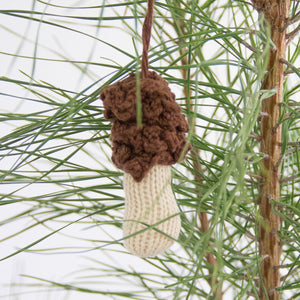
276, 15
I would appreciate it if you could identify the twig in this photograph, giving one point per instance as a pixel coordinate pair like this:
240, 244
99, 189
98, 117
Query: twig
204, 221
284, 277
255, 136
247, 45
247, 218
263, 114
290, 178
250, 294
290, 36
250, 235
293, 144
282, 266
276, 13
291, 21
291, 66
290, 151
252, 181
290, 103
287, 72
254, 175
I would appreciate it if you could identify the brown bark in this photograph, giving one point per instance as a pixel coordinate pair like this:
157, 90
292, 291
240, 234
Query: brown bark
276, 15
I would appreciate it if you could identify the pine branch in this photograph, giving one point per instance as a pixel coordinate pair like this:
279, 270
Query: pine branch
275, 12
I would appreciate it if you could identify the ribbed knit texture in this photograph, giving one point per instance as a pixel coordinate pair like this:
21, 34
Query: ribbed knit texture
149, 202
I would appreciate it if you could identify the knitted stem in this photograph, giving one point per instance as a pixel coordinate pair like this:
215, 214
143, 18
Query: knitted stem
150, 203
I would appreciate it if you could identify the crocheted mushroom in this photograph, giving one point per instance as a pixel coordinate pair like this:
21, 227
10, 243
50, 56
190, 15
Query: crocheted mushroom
152, 220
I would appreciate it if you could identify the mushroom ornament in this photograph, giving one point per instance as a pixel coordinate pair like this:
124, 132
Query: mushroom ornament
145, 153
152, 220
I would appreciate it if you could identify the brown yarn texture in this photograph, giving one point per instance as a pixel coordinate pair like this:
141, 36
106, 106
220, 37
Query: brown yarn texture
161, 140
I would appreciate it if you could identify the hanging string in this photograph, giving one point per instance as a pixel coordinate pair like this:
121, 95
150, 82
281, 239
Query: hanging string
146, 35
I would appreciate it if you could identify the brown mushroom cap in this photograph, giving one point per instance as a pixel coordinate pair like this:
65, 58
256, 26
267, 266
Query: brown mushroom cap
161, 139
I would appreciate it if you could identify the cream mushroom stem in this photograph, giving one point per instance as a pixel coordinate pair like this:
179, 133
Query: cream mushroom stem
152, 220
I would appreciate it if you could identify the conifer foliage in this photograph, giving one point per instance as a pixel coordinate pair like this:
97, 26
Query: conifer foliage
234, 67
